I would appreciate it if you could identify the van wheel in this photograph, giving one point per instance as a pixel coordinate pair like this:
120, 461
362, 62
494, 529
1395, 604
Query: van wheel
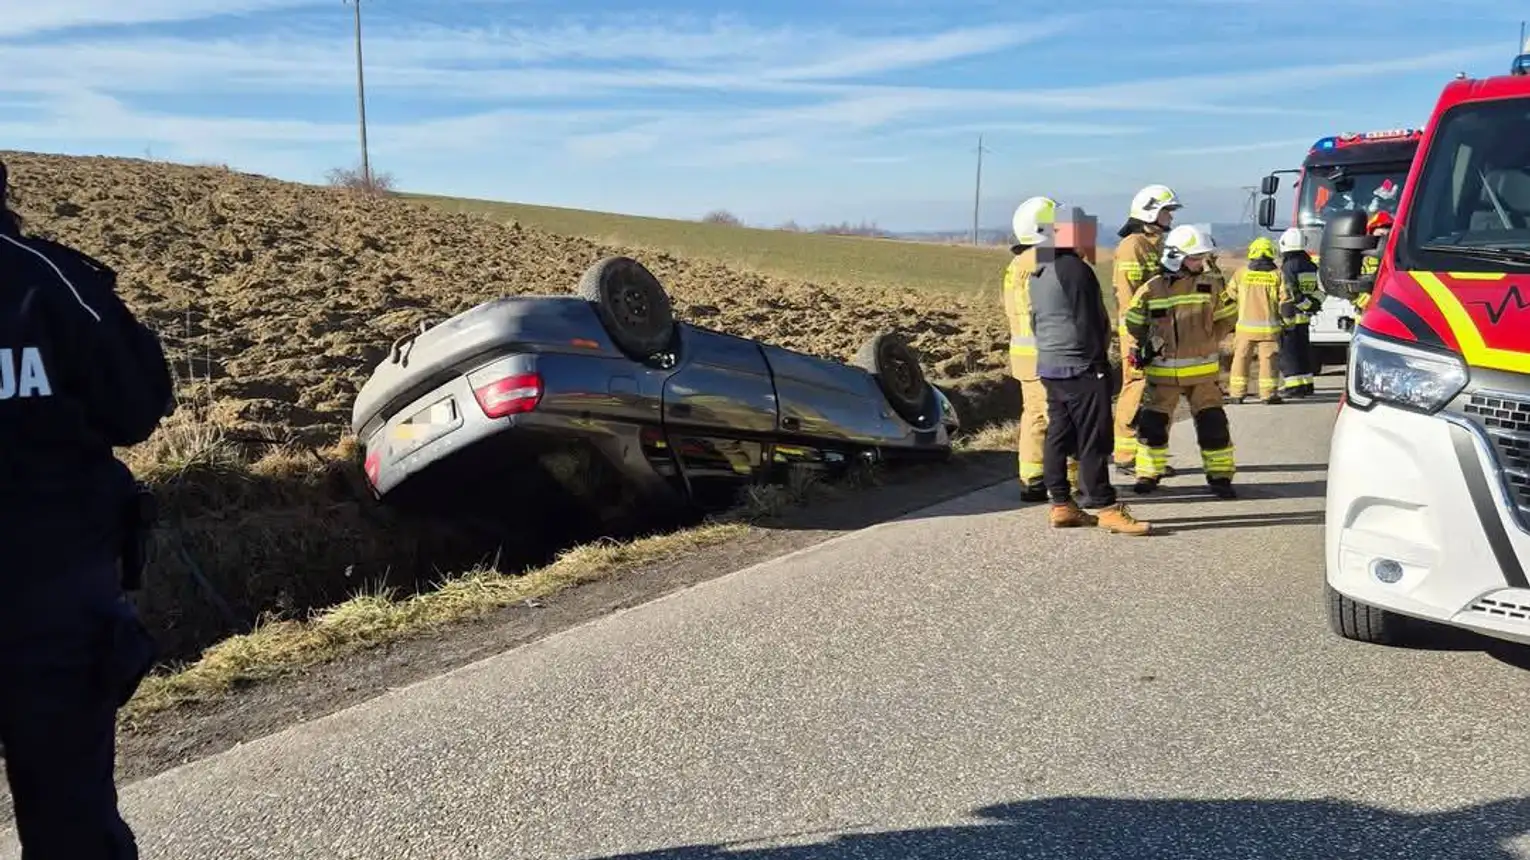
1360, 622
895, 365
631, 304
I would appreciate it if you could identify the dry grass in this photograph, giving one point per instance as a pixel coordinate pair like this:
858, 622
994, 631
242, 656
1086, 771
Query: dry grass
995, 437
365, 621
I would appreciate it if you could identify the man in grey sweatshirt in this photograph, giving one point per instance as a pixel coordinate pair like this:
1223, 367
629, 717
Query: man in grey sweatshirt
1073, 330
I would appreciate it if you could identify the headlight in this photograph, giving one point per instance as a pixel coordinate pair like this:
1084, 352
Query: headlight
1383, 371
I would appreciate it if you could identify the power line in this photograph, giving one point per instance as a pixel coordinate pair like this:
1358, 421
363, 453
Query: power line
361, 99
977, 191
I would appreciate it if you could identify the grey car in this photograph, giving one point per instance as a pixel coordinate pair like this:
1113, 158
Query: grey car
600, 403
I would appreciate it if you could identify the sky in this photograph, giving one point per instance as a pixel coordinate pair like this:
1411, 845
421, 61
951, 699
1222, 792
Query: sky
818, 111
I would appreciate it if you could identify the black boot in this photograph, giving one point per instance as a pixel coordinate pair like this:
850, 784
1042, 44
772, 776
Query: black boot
1035, 491
1222, 488
1145, 486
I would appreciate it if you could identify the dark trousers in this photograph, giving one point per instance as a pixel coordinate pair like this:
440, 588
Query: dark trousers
65, 669
1296, 359
1079, 424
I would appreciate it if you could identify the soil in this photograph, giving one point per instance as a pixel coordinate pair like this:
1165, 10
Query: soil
276, 299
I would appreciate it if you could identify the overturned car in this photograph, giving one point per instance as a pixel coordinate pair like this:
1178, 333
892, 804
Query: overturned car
600, 405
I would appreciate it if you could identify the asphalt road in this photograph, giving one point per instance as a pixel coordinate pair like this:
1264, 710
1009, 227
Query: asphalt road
962, 683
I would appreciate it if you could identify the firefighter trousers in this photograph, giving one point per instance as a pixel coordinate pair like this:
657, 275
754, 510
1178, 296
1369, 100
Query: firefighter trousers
1033, 434
1297, 364
1212, 432
1133, 384
1245, 350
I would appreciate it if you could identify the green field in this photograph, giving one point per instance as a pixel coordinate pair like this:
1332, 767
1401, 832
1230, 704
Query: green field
812, 257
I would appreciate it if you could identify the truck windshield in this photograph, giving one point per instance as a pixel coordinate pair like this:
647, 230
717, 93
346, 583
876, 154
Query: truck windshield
1471, 211
1374, 188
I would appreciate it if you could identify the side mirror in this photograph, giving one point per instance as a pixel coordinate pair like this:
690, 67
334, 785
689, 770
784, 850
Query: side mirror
1267, 211
1269, 185
1344, 243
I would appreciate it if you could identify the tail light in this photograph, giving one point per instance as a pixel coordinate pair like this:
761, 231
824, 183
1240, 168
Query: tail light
372, 466
501, 392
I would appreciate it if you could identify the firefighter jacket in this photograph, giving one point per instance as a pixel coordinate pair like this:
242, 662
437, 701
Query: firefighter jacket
1303, 296
1178, 321
1257, 291
1136, 258
1017, 308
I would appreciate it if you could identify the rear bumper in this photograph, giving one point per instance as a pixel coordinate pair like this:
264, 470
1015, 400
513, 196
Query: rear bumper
1425, 493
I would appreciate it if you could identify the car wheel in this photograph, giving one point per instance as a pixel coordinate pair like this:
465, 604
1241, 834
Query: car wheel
631, 304
895, 365
1363, 623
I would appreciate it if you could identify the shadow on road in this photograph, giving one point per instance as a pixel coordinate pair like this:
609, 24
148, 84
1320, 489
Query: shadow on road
1100, 828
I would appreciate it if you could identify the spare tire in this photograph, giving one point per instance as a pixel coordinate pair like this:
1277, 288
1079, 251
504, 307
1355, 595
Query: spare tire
895, 365
631, 304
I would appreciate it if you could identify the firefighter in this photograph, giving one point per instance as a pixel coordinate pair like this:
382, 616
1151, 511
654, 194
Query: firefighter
1379, 225
1256, 290
1301, 300
1172, 332
1032, 222
1136, 259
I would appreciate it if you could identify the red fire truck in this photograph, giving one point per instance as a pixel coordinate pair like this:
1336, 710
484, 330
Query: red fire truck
1428, 500
1350, 172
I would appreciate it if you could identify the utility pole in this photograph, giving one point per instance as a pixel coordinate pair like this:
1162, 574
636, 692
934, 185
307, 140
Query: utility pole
361, 100
977, 191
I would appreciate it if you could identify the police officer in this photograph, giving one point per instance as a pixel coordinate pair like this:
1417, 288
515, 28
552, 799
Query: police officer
78, 376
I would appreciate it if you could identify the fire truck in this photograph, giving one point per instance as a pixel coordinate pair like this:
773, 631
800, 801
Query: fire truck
1352, 172
1427, 515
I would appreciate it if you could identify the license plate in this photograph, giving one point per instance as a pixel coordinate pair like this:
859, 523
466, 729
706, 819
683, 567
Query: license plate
428, 423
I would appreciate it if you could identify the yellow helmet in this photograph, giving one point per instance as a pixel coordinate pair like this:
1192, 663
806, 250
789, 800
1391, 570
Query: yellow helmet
1261, 247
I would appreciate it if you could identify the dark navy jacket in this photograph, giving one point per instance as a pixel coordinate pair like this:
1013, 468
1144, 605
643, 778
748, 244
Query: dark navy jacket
78, 376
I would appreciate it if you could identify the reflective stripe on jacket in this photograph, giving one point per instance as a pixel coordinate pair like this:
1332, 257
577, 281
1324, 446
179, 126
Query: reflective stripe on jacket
1184, 317
1017, 309
1257, 292
1301, 285
1136, 259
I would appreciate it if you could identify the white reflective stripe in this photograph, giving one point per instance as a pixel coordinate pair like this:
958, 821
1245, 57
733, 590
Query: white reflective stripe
1021, 340
1187, 362
44, 257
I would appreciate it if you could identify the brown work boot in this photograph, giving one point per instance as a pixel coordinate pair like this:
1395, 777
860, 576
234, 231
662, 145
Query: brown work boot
1118, 520
1069, 515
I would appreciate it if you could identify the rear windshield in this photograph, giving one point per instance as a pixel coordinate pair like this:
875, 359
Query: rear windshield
1473, 192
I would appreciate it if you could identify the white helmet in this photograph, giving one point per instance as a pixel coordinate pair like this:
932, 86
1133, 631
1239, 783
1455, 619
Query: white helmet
1033, 220
1148, 202
1291, 240
1186, 240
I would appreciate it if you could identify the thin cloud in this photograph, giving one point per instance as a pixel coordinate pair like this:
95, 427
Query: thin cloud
24, 18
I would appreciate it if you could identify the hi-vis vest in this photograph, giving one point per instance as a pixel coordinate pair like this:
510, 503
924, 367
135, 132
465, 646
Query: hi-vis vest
1017, 308
1368, 266
1190, 316
1257, 294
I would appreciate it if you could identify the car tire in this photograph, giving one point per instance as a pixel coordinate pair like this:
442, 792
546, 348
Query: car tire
1361, 622
895, 366
632, 305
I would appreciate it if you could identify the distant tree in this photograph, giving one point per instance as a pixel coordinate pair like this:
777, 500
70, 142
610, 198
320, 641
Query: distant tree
722, 216
845, 228
790, 227
355, 179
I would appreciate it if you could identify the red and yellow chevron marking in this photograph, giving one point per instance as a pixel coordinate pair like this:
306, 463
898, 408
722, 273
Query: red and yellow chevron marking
1485, 316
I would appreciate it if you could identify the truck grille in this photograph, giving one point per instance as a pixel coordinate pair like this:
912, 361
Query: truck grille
1507, 422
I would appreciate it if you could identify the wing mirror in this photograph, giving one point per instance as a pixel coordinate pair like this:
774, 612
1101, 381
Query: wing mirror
1345, 242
